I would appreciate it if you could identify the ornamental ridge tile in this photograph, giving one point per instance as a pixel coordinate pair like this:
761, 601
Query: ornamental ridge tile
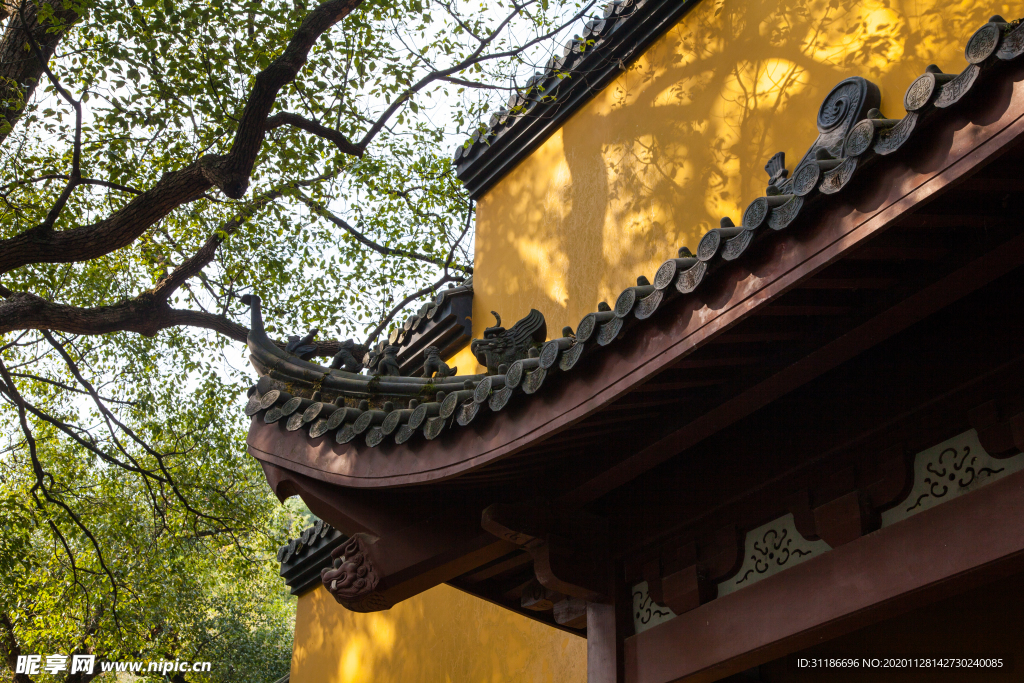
306, 555
853, 134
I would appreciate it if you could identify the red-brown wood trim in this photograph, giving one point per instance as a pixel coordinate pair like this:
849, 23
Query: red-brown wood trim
898, 188
956, 285
958, 544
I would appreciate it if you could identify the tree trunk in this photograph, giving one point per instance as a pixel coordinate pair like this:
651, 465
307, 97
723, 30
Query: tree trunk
20, 71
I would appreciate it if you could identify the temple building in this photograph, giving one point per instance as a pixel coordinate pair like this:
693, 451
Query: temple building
750, 405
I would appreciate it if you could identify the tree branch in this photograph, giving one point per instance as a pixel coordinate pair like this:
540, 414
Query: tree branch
403, 303
11, 649
474, 57
19, 76
12, 392
229, 172
457, 242
145, 314
62, 176
288, 119
76, 157
194, 264
321, 210
66, 387
474, 84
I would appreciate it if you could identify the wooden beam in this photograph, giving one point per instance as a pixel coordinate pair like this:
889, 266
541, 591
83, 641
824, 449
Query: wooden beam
760, 337
500, 567
998, 185
899, 253
899, 317
609, 624
640, 405
513, 589
568, 547
964, 542
784, 310
922, 220
849, 283
654, 387
721, 362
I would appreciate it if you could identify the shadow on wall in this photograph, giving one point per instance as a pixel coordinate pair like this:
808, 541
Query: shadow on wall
440, 636
681, 138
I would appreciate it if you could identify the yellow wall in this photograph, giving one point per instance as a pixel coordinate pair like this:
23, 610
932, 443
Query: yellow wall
440, 636
681, 138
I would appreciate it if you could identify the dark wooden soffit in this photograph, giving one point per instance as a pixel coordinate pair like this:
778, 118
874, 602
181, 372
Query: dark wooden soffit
959, 143
954, 546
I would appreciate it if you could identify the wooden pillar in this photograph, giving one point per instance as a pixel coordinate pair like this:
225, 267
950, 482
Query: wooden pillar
609, 623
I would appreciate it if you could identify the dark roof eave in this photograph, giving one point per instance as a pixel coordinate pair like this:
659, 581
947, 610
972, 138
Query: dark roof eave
486, 162
898, 188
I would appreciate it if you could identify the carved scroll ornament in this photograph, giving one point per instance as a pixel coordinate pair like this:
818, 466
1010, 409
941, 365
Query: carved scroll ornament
646, 612
948, 470
353, 579
770, 549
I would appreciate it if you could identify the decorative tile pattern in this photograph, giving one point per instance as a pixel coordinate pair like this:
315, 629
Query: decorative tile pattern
770, 549
950, 469
647, 613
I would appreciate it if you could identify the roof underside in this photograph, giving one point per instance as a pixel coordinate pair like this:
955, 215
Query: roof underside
866, 289
755, 301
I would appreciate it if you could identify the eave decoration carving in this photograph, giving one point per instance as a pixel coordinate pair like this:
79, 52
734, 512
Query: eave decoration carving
948, 470
353, 580
504, 347
646, 612
770, 549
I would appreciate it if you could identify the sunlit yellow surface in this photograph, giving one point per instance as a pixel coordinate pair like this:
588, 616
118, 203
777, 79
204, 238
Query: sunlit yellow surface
680, 139
440, 636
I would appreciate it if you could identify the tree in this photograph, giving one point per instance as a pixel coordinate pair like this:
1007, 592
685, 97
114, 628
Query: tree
160, 159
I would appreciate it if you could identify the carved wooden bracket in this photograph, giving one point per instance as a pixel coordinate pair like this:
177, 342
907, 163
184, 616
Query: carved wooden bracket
566, 567
720, 553
687, 589
844, 519
852, 505
538, 598
569, 548
522, 523
571, 612
799, 504
889, 478
1000, 428
354, 578
684, 576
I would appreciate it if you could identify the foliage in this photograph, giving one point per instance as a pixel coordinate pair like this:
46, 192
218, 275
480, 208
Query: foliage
143, 191
176, 567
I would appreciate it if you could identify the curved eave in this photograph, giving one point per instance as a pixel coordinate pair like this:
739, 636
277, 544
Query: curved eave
271, 361
958, 142
679, 330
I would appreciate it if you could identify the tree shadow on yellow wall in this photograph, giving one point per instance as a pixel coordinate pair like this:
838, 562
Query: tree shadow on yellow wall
681, 137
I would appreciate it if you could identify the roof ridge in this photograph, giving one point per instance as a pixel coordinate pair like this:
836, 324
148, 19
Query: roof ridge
853, 134
588, 62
